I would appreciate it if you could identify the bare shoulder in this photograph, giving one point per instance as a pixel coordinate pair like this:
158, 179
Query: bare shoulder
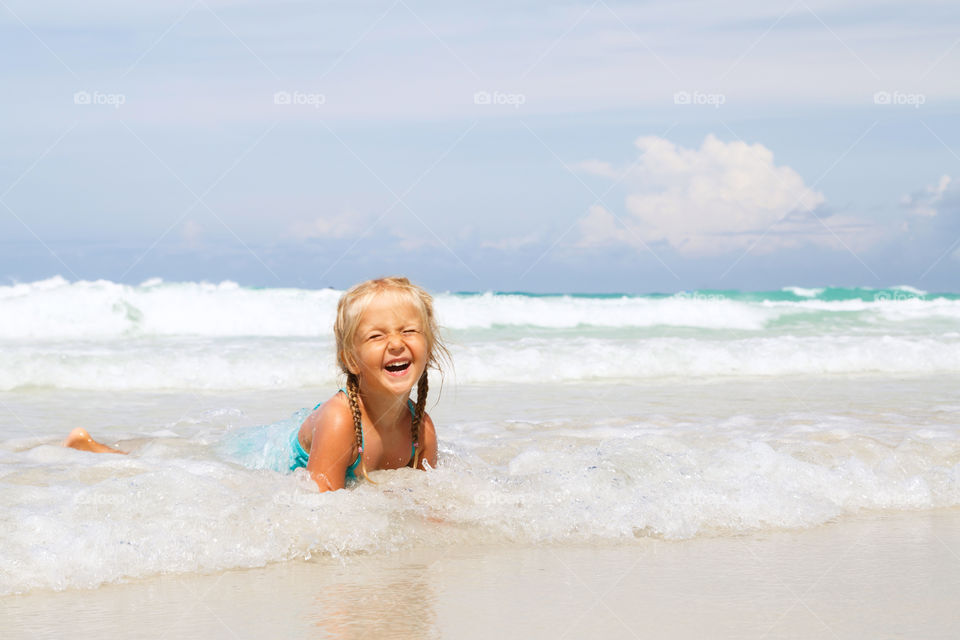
331, 420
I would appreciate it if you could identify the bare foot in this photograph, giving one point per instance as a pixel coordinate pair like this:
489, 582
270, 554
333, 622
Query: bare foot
80, 439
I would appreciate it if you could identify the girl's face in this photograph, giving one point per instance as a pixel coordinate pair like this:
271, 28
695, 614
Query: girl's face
390, 350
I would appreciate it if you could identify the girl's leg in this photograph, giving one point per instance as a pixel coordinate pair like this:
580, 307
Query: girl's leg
80, 439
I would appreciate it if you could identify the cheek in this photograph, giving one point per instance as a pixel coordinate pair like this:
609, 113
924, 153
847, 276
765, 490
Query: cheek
420, 347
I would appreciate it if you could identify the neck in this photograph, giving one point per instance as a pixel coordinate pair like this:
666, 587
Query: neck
385, 411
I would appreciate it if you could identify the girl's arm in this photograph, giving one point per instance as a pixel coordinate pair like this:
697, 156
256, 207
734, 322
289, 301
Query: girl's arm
428, 435
333, 446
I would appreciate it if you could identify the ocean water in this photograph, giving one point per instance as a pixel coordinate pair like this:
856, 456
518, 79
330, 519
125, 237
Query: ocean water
564, 420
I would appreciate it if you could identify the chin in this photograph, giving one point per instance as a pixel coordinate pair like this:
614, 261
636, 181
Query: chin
402, 385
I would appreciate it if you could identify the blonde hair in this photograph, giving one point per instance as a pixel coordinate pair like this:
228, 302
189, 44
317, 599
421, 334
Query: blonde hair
349, 310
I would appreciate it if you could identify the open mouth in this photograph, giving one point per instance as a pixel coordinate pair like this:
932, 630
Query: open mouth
398, 366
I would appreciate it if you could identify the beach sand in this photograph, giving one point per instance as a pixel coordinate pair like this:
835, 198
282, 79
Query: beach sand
875, 575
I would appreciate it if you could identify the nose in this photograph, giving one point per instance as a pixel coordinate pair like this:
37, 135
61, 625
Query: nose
394, 343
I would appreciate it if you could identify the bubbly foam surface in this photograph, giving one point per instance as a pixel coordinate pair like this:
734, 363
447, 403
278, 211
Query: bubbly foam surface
518, 463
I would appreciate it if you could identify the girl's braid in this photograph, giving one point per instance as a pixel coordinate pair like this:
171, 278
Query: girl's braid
353, 395
422, 388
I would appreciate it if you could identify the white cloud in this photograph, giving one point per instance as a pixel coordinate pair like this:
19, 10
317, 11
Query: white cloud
598, 227
720, 197
928, 202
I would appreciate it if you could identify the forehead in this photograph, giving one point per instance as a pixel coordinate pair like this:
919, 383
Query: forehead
388, 307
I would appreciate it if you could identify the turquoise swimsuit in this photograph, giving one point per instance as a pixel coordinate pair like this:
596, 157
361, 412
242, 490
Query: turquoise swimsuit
300, 457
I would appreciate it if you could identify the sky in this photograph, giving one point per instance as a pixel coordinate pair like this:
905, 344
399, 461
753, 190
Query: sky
511, 146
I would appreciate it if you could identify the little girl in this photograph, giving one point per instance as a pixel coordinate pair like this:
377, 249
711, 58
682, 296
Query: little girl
387, 338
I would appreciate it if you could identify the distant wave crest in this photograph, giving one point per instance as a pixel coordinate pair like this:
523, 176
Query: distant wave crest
55, 309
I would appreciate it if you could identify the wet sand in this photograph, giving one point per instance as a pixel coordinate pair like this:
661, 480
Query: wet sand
886, 575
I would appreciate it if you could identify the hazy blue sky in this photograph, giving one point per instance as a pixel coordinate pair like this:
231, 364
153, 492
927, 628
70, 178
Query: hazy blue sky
540, 146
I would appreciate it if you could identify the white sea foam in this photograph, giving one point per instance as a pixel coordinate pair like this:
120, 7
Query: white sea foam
803, 292
103, 335
278, 363
536, 360
489, 311
909, 289
55, 309
78, 520
546, 456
